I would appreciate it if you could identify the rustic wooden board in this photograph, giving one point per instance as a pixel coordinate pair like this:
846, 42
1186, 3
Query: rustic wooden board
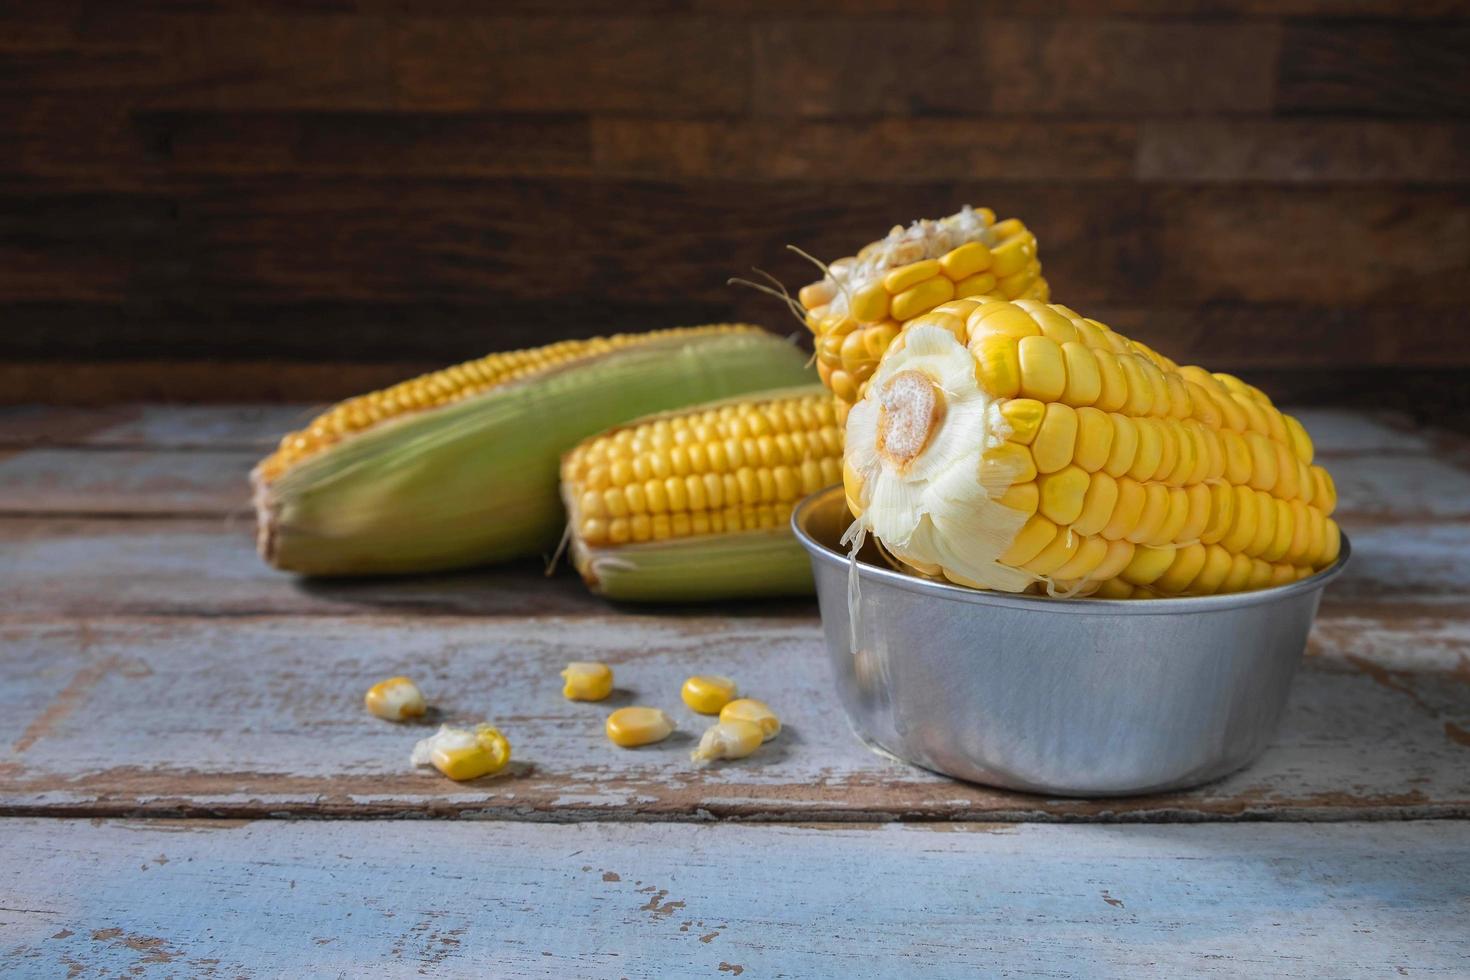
249, 716
148, 426
1382, 470
66, 480
638, 901
81, 566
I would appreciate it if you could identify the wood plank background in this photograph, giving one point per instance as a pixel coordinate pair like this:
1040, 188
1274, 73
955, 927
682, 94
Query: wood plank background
139, 686
265, 200
166, 898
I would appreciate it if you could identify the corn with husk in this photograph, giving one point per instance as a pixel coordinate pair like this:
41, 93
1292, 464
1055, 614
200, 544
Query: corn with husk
694, 504
460, 467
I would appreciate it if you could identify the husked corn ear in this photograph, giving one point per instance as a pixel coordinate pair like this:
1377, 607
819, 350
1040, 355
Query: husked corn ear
864, 301
707, 693
1031, 448
695, 504
459, 467
751, 710
587, 681
727, 740
632, 727
395, 699
462, 753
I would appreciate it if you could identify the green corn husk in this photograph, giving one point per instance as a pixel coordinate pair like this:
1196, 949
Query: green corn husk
475, 481
744, 565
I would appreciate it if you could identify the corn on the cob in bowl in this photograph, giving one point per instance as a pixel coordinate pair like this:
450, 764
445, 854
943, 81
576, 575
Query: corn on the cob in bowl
864, 300
695, 504
1008, 446
1005, 447
459, 467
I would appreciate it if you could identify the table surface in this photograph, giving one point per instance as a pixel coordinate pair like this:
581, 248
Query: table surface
166, 700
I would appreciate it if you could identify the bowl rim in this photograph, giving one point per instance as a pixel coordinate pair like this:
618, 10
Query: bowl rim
1177, 605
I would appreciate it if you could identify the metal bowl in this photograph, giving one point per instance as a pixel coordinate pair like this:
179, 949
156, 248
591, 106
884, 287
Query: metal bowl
1069, 697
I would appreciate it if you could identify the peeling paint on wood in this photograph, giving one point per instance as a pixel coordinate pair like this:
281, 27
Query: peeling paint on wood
254, 716
528, 900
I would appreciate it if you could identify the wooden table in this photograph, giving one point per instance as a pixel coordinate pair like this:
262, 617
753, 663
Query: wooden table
169, 706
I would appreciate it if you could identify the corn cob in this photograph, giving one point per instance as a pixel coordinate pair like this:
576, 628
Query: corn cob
694, 504
459, 467
857, 309
1017, 446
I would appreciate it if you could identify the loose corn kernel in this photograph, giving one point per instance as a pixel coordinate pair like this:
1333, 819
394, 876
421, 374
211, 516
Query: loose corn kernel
727, 740
632, 727
707, 694
749, 709
587, 681
461, 753
395, 699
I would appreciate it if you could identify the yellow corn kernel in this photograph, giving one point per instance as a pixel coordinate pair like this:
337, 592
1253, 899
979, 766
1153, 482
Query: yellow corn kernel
1090, 553
1043, 371
733, 739
1301, 443
751, 710
998, 365
1094, 439
1155, 513
632, 727
963, 262
395, 699
587, 681
1084, 382
1124, 447
1062, 494
1097, 505
870, 304
462, 753
1128, 511
1148, 564
1056, 438
908, 276
708, 693
1024, 416
1023, 497
1006, 464
1037, 533
1062, 549
1187, 564
921, 298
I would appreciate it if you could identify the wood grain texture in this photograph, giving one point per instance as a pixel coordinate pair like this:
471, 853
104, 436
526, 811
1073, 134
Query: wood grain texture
253, 715
202, 190
638, 901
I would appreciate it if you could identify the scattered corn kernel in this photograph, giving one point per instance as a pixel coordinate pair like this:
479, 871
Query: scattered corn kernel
632, 727
587, 681
707, 693
461, 754
728, 740
395, 699
751, 710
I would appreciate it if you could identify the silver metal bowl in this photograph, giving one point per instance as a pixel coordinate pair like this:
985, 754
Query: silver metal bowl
1070, 697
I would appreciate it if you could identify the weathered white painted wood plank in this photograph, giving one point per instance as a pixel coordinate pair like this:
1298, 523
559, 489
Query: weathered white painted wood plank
208, 566
466, 899
149, 426
127, 481
199, 482
247, 716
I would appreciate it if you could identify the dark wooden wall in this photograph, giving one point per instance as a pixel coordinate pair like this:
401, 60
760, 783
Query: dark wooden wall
202, 199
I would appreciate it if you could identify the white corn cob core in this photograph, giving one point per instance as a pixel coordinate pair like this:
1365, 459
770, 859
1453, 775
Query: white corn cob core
915, 443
